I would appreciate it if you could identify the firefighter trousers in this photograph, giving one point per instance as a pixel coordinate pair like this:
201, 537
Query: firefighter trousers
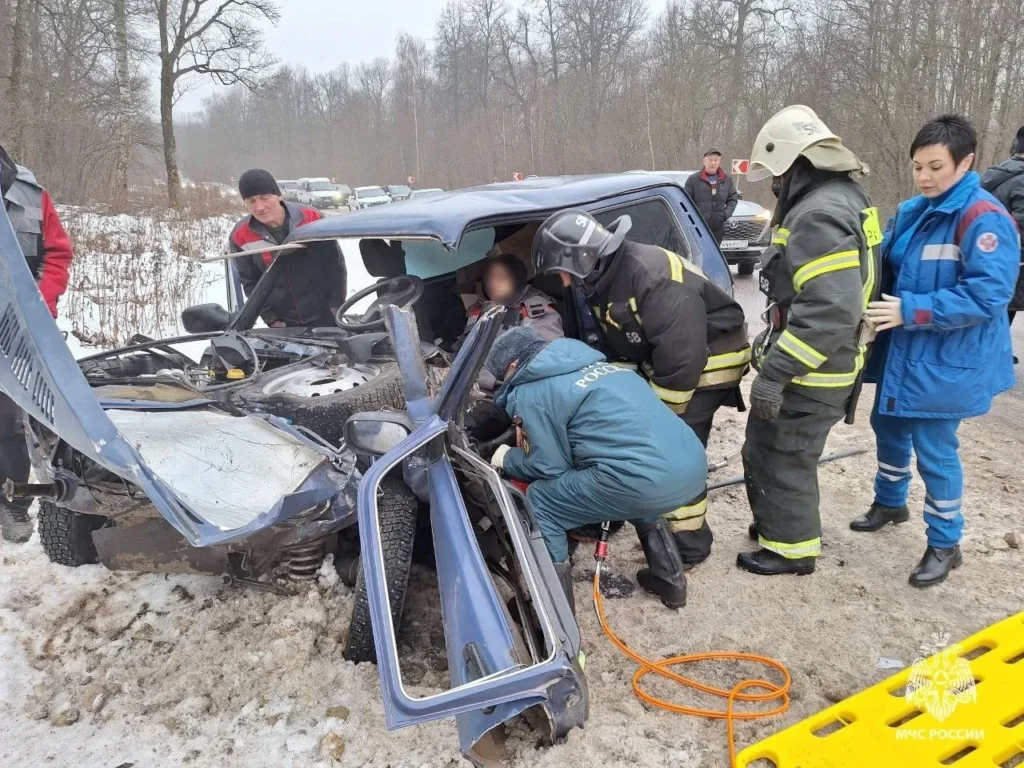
688, 524
780, 466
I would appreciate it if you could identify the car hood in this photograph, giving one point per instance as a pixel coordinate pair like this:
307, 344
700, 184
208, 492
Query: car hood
747, 208
161, 446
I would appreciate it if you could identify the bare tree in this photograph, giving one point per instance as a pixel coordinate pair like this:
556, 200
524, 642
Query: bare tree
218, 38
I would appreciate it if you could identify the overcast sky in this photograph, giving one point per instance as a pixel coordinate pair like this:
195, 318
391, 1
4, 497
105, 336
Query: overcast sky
321, 34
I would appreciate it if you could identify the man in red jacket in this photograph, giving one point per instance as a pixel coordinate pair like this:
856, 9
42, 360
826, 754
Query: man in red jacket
47, 250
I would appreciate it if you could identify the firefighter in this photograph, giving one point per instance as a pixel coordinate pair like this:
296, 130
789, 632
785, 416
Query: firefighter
659, 312
819, 275
47, 250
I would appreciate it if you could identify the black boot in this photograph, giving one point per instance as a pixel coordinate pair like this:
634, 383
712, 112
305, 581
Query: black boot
15, 524
878, 516
663, 575
935, 566
764, 562
564, 573
752, 532
694, 546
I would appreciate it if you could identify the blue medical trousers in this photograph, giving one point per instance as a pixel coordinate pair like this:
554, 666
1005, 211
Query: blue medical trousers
935, 443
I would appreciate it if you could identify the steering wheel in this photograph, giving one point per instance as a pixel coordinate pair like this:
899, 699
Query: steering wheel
401, 291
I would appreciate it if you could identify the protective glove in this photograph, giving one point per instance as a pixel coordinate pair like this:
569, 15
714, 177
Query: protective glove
885, 314
766, 398
498, 459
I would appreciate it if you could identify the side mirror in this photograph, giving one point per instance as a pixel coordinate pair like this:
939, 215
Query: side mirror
374, 433
203, 318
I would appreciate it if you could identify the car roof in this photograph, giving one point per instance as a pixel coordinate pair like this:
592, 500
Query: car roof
370, 186
445, 216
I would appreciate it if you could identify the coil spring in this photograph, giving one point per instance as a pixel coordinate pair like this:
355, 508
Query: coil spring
304, 562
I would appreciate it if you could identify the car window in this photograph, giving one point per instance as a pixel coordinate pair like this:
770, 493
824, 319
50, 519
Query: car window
653, 224
428, 258
370, 192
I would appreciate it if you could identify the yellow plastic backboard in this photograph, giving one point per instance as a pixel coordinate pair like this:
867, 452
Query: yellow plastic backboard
961, 707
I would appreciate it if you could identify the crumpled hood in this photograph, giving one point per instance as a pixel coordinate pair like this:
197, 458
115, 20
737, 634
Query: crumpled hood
998, 174
559, 357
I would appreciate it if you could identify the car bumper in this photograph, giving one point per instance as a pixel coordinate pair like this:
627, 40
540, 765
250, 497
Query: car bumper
747, 255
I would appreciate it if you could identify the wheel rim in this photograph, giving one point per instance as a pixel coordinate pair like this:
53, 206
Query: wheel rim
318, 382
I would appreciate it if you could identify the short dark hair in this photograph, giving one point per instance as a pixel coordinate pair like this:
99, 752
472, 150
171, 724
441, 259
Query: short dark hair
954, 132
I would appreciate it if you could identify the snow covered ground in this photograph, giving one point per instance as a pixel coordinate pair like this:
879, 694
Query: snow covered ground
111, 670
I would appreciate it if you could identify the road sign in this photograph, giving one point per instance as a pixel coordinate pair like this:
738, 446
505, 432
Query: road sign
740, 166
517, 176
411, 179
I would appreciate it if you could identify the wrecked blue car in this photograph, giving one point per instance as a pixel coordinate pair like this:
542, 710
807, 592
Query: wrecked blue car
150, 460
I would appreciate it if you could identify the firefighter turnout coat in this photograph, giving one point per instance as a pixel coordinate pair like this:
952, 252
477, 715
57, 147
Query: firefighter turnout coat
819, 274
659, 311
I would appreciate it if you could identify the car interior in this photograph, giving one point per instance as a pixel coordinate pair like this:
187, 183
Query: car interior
454, 279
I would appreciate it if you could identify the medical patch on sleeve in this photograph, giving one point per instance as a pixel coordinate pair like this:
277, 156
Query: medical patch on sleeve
987, 242
922, 317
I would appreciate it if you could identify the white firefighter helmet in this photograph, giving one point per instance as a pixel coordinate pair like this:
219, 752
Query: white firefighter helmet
783, 138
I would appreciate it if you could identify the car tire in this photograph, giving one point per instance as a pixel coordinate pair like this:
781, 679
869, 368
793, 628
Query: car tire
398, 508
326, 415
745, 268
66, 535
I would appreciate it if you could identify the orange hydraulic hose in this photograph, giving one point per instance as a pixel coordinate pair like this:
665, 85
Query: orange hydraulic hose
663, 668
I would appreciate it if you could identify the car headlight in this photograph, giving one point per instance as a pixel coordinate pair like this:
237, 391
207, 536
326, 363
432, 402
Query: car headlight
763, 215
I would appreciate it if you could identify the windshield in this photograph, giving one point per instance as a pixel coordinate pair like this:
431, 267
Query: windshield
288, 184
370, 192
321, 186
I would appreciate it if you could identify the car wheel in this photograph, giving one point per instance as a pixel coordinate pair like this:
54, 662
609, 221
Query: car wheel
322, 400
398, 509
66, 536
745, 268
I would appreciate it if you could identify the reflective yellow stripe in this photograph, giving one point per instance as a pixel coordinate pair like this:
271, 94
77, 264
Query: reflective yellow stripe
716, 378
831, 263
675, 396
833, 380
781, 236
809, 548
608, 317
800, 350
675, 265
636, 311
689, 511
728, 360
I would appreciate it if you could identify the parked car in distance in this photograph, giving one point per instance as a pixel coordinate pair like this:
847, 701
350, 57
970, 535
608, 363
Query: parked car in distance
747, 232
289, 189
398, 191
345, 191
416, 194
367, 197
318, 192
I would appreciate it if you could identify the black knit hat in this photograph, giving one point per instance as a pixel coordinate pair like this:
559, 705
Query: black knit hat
256, 181
1018, 144
515, 344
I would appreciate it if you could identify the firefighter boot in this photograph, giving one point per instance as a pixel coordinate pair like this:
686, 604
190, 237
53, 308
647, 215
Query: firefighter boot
935, 566
764, 562
564, 572
663, 575
878, 516
15, 524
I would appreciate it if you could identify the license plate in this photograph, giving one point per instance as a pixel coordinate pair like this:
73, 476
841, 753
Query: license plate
734, 245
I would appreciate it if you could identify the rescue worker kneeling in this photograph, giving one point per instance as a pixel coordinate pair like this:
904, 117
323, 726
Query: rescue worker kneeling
597, 444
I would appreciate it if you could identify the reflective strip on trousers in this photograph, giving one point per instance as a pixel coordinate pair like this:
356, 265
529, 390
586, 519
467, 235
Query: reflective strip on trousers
809, 548
946, 510
687, 518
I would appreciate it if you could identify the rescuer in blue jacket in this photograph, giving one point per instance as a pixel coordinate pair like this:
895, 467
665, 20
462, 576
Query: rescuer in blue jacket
950, 262
596, 444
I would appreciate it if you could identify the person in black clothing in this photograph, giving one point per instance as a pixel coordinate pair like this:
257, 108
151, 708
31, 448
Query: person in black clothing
313, 286
1006, 183
660, 313
713, 192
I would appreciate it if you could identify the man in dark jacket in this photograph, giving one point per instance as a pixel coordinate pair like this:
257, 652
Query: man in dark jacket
313, 286
819, 276
47, 250
596, 445
660, 313
1006, 183
713, 192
